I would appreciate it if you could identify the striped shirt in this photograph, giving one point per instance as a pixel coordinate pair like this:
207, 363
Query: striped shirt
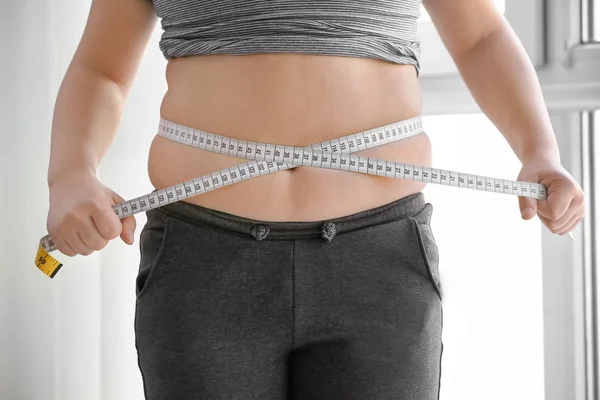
382, 29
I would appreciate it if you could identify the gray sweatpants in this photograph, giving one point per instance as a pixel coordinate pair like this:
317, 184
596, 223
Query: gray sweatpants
234, 308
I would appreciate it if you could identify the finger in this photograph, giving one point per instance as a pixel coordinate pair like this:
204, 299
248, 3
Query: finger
128, 223
91, 236
128, 231
528, 207
555, 225
77, 244
556, 204
552, 225
569, 226
64, 247
106, 221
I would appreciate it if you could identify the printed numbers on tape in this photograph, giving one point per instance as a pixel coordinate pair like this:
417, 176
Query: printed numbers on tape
268, 158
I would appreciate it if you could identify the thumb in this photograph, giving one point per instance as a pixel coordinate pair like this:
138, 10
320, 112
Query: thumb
528, 206
128, 223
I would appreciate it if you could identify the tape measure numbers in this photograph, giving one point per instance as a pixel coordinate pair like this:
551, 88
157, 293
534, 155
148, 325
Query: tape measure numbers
268, 158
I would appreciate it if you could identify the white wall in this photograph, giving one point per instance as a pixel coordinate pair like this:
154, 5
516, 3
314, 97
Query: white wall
60, 338
35, 364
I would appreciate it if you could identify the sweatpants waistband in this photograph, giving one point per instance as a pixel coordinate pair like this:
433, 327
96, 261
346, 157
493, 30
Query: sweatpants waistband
403, 208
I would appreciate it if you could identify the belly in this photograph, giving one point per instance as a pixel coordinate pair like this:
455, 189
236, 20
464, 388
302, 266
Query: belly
292, 99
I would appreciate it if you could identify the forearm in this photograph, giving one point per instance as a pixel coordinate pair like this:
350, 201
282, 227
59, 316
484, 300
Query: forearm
86, 118
502, 79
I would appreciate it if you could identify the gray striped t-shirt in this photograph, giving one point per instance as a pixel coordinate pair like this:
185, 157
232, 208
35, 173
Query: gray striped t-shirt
383, 29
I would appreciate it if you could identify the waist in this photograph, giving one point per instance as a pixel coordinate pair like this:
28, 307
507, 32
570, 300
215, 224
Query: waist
294, 100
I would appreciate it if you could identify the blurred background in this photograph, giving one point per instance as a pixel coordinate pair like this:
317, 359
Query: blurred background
521, 304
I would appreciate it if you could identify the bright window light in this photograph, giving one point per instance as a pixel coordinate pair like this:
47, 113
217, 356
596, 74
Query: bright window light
491, 269
425, 16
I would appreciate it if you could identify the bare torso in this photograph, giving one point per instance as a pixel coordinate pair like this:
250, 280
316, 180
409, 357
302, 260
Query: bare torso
293, 99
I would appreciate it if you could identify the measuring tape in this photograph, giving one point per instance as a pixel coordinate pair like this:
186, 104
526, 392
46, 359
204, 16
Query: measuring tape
269, 158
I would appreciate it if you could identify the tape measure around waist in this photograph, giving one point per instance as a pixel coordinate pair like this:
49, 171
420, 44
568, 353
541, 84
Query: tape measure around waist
267, 158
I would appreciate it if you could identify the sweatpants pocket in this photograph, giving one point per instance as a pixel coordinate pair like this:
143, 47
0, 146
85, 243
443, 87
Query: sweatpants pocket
428, 246
152, 243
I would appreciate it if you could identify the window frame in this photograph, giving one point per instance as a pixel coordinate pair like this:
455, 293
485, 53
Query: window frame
591, 182
590, 21
568, 75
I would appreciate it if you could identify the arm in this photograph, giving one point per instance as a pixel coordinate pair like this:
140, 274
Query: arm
498, 72
502, 79
94, 90
86, 118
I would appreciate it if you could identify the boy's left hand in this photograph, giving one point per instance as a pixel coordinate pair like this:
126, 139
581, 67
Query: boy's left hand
564, 206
